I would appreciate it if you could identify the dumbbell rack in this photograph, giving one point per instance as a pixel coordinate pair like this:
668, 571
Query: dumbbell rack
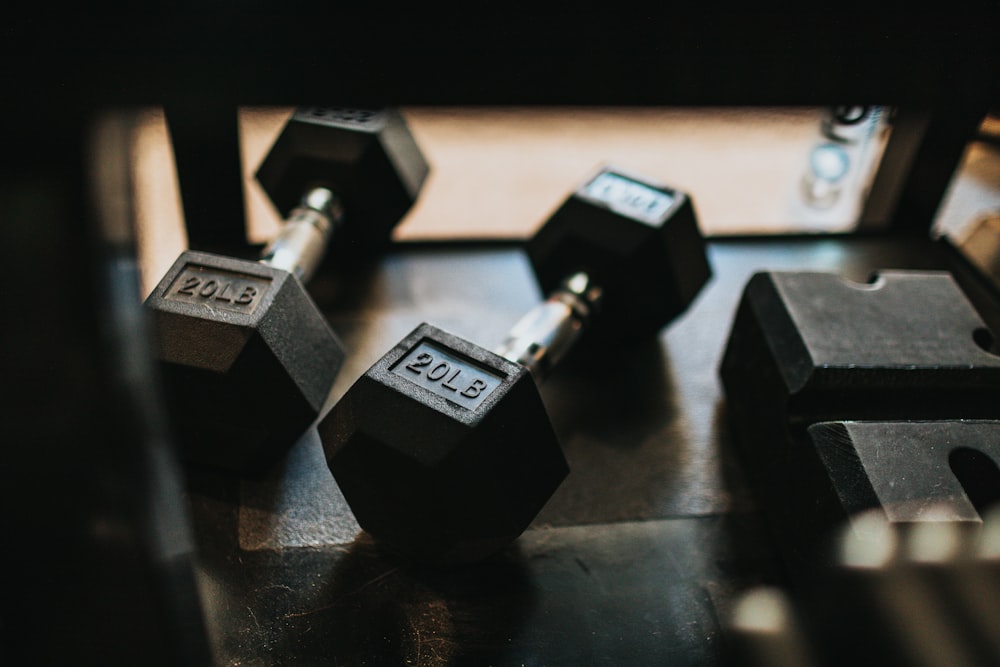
641, 553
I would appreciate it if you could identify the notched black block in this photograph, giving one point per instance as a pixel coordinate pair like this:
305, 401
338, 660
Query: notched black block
911, 471
907, 472
808, 347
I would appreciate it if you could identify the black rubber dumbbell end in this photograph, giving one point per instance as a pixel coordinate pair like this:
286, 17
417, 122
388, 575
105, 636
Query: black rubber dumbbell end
636, 238
369, 159
246, 358
443, 450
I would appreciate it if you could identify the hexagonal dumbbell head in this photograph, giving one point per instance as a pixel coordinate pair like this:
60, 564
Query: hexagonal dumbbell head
638, 240
443, 450
247, 359
368, 159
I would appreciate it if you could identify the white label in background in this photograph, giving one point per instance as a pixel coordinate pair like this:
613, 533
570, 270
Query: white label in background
628, 197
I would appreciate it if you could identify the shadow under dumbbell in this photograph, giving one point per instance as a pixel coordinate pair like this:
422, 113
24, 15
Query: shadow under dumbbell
620, 397
625, 441
351, 285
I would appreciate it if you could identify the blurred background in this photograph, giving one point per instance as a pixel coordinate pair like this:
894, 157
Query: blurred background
498, 172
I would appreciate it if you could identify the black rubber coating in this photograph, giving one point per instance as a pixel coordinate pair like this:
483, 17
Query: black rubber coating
246, 357
638, 240
368, 159
443, 450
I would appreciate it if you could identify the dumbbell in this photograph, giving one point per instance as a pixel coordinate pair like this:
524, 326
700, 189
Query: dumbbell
885, 593
443, 449
246, 357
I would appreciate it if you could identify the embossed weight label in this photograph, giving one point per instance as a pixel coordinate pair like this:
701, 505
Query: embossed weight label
632, 198
457, 380
218, 289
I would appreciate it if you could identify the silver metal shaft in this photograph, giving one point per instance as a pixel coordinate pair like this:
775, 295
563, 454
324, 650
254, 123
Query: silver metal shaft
299, 246
547, 332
